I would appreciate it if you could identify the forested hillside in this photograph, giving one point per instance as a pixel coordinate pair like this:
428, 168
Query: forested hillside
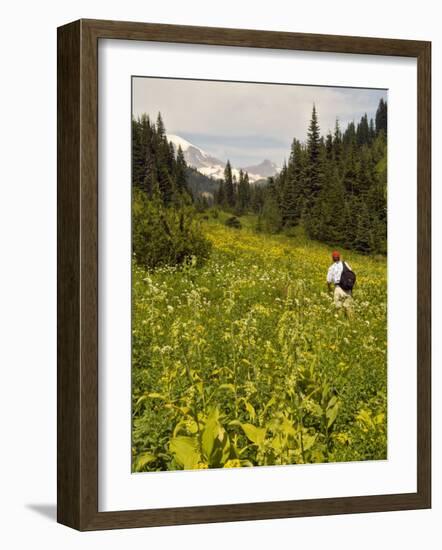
201, 185
165, 230
333, 186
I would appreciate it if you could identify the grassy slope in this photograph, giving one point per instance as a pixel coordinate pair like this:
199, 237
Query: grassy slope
255, 326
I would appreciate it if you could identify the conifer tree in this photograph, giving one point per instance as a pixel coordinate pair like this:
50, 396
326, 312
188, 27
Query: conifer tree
363, 131
292, 193
335, 212
364, 177
150, 179
229, 189
246, 185
350, 171
313, 167
351, 209
243, 196
314, 176
329, 147
163, 161
289, 211
371, 131
161, 130
363, 235
180, 172
337, 146
381, 117
349, 136
257, 198
141, 152
171, 158
235, 190
271, 214
278, 183
220, 197
138, 152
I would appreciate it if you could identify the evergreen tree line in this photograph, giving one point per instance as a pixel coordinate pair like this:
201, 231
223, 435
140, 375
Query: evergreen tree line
156, 167
233, 194
238, 195
335, 187
165, 230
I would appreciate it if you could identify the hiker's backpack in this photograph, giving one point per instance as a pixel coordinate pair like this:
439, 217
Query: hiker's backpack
348, 278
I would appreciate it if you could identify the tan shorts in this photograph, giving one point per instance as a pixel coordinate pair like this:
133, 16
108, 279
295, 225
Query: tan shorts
342, 298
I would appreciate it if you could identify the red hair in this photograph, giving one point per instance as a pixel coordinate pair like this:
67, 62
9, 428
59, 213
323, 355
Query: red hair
336, 255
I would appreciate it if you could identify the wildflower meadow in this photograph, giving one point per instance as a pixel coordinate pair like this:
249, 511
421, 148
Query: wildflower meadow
244, 360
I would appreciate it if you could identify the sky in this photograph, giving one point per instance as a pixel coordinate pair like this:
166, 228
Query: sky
248, 122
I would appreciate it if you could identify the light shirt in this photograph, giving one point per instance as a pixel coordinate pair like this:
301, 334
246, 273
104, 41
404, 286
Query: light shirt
335, 272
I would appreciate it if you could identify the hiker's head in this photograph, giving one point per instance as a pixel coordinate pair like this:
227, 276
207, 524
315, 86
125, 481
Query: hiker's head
336, 256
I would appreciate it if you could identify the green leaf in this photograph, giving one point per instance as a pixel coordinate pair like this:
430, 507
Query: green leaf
287, 427
215, 441
140, 400
312, 407
277, 443
143, 459
211, 432
155, 395
269, 403
187, 426
332, 412
308, 441
230, 387
200, 388
325, 391
255, 434
147, 396
251, 410
332, 402
185, 450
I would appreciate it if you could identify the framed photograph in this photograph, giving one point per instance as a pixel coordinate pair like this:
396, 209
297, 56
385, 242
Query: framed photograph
243, 274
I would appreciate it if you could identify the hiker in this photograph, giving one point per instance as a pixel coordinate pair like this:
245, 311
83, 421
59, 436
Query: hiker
341, 277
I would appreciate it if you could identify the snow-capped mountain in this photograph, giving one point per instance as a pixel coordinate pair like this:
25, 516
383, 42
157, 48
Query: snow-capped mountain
199, 159
213, 167
265, 169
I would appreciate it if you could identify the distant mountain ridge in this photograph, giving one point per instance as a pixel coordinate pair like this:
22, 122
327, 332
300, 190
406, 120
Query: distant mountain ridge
213, 167
265, 169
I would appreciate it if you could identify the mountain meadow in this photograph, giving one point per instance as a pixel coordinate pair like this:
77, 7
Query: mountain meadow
239, 355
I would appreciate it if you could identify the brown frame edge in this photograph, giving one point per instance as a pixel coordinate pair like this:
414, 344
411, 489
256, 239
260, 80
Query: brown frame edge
77, 278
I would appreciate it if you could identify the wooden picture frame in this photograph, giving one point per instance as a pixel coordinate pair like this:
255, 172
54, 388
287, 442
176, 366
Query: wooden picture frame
77, 463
